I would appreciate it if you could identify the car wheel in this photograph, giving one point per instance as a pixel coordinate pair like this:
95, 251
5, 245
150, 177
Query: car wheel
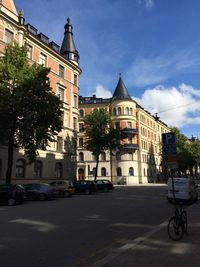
42, 197
11, 201
66, 194
87, 191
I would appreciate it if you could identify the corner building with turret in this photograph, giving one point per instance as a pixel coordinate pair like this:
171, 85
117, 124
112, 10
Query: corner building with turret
59, 160
140, 160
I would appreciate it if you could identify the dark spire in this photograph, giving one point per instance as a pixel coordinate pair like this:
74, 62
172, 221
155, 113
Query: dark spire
68, 48
121, 92
21, 17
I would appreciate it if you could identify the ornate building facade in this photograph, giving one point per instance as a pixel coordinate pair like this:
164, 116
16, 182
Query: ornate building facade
59, 160
140, 160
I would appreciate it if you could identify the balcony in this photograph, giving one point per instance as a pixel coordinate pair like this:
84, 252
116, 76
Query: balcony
130, 131
131, 147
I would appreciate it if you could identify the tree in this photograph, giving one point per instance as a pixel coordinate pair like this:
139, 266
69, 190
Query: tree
30, 114
101, 136
185, 157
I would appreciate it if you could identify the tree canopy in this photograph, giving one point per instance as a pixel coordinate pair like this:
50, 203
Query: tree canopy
30, 114
100, 135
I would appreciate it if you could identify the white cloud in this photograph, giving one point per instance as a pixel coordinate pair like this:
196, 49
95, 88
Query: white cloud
176, 106
149, 3
157, 69
100, 91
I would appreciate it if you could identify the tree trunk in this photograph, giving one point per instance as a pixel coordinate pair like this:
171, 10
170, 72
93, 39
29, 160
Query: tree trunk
96, 170
10, 158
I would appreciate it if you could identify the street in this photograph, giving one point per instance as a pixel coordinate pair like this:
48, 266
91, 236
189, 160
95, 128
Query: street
78, 231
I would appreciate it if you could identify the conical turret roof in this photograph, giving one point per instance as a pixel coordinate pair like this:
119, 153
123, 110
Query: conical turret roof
121, 92
68, 48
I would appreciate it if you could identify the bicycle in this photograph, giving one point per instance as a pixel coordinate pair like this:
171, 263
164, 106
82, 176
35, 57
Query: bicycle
178, 223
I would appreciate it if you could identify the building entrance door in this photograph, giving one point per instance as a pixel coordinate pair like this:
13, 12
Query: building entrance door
81, 174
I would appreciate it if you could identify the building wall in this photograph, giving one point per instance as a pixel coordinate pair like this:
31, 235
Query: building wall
145, 160
53, 156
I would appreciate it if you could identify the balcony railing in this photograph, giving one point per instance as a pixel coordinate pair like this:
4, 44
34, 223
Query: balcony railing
130, 131
131, 146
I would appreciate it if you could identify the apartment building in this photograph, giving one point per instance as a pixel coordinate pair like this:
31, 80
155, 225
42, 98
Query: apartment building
59, 160
140, 160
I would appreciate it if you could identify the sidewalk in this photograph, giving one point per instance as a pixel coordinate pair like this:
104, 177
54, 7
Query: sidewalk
155, 249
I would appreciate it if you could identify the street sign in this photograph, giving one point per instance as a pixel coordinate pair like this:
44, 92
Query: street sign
169, 150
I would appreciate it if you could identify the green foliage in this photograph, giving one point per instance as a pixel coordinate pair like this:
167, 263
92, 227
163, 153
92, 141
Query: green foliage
30, 114
187, 152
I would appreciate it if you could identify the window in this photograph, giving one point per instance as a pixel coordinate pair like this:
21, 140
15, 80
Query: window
81, 113
103, 156
131, 111
75, 104
30, 52
9, 36
59, 144
118, 156
61, 71
20, 168
119, 171
81, 156
114, 111
94, 157
81, 127
75, 79
119, 111
103, 171
127, 111
43, 60
58, 170
131, 171
129, 124
81, 142
61, 94
117, 125
38, 168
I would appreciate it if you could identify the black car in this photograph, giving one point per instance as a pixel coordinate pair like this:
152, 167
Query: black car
40, 191
104, 185
85, 187
11, 194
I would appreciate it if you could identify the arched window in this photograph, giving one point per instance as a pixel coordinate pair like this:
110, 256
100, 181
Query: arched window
38, 168
20, 168
131, 171
81, 113
114, 111
103, 156
94, 157
144, 171
118, 156
127, 111
58, 170
81, 156
131, 111
103, 171
119, 171
94, 171
119, 111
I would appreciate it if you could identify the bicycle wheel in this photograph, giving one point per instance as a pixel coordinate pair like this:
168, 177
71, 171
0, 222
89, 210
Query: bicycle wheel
184, 220
175, 229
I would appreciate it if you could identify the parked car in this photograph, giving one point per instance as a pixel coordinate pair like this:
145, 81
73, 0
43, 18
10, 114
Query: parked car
12, 194
104, 185
65, 188
185, 189
40, 191
85, 187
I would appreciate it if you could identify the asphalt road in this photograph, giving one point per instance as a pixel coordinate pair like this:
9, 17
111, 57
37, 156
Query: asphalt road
77, 231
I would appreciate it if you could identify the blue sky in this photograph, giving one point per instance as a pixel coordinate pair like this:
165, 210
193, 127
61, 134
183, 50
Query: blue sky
155, 44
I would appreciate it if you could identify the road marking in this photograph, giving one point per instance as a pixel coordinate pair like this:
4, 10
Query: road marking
132, 245
38, 225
